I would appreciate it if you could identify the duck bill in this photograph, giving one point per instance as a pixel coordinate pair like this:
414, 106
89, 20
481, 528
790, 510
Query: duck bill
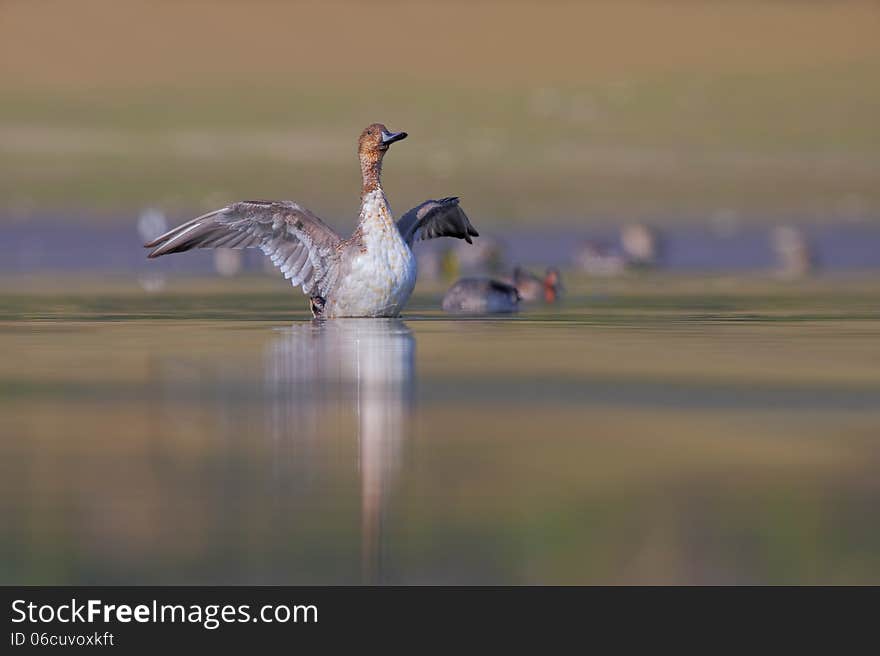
389, 138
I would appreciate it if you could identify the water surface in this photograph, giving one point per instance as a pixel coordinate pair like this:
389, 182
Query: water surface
668, 437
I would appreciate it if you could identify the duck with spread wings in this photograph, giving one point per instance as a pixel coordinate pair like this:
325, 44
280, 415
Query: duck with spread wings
370, 274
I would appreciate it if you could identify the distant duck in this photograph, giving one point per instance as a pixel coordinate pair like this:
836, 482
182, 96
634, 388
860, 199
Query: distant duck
795, 258
481, 296
534, 288
370, 274
641, 245
598, 259
639, 250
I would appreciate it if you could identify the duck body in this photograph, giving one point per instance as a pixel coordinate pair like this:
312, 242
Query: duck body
378, 270
370, 274
481, 296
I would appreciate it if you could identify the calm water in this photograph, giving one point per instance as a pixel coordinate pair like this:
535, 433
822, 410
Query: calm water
665, 438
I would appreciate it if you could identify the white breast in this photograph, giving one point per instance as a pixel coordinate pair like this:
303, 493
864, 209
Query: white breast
381, 277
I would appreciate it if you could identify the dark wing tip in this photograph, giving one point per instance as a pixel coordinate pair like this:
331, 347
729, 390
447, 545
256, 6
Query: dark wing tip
470, 230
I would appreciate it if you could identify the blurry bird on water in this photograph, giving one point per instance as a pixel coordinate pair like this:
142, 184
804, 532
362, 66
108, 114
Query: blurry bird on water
491, 296
481, 296
535, 288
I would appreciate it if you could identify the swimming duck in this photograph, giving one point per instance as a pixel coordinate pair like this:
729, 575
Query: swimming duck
641, 245
481, 296
370, 274
535, 288
598, 259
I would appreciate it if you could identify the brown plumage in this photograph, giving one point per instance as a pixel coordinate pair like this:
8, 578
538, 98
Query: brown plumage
534, 288
371, 151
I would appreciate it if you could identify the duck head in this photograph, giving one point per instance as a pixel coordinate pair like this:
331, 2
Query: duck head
372, 146
552, 285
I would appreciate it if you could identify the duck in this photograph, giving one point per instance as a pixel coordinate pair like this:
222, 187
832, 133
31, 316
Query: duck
535, 288
598, 259
372, 273
481, 296
641, 245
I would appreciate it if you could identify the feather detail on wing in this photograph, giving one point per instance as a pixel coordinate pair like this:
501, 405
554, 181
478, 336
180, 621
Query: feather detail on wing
436, 218
297, 241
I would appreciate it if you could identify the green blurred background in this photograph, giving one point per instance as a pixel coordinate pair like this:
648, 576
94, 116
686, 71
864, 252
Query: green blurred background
561, 112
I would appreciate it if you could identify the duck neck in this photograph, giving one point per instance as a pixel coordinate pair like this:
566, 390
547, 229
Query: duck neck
371, 172
375, 212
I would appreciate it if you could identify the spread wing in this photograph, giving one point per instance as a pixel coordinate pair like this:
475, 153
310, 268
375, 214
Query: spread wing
436, 218
297, 241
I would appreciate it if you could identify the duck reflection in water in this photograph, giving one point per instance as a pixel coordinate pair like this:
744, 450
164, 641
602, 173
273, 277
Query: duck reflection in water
324, 370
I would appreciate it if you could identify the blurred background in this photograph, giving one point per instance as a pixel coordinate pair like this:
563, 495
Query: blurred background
695, 400
715, 121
